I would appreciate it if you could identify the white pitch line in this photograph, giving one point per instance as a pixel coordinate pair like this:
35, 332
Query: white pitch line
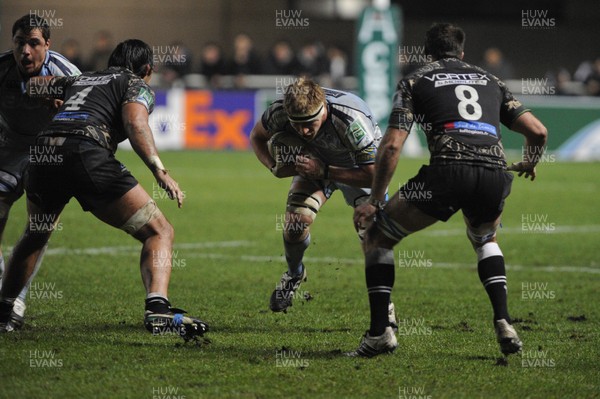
136, 248
518, 230
321, 260
353, 261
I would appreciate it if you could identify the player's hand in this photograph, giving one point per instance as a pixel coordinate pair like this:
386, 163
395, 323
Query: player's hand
167, 183
526, 168
56, 103
363, 215
310, 168
282, 170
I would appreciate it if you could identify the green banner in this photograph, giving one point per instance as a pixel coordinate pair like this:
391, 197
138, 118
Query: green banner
378, 38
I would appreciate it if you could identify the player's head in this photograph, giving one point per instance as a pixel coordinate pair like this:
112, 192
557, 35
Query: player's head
134, 55
444, 40
31, 40
304, 102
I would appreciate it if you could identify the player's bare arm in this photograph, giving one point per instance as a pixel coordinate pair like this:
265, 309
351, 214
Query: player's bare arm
536, 136
386, 161
313, 168
135, 120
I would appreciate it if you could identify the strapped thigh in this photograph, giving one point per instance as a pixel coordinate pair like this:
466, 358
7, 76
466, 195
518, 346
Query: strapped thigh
141, 217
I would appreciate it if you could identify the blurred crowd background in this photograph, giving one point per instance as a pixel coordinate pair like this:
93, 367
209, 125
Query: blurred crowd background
238, 45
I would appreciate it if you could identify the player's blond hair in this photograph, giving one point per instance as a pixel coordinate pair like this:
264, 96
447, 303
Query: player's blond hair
303, 97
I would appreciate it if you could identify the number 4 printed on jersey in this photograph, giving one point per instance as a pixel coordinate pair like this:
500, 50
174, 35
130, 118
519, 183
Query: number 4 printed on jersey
75, 102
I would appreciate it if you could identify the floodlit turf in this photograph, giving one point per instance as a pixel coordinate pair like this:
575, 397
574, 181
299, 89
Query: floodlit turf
84, 336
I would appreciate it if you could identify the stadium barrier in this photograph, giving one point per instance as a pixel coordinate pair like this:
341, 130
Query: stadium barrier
222, 120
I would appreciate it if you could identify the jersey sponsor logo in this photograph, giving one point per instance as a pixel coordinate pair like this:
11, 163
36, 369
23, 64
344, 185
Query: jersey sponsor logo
145, 97
94, 80
357, 130
71, 116
471, 127
334, 93
446, 79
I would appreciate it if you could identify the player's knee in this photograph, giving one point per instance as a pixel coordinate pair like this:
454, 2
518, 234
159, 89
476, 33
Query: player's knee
166, 229
480, 237
374, 239
296, 226
5, 205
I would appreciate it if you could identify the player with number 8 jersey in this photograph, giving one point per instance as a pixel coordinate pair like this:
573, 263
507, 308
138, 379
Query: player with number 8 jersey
457, 105
460, 107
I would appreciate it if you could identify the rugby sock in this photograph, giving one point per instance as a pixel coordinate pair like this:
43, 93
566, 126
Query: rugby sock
156, 303
294, 252
1, 269
6, 306
380, 276
493, 277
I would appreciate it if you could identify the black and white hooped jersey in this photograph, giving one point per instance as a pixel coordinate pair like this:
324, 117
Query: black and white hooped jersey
23, 117
93, 104
349, 136
459, 107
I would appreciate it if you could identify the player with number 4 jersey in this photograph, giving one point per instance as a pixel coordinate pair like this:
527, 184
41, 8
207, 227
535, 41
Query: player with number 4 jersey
460, 107
100, 110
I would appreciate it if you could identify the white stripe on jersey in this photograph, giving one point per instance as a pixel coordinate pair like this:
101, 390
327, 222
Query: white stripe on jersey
57, 64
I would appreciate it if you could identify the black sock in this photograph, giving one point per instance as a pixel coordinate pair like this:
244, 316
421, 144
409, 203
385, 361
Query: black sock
493, 277
158, 304
5, 311
380, 280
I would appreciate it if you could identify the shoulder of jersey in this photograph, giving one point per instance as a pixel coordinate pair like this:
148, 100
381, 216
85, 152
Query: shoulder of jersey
6, 56
346, 103
61, 62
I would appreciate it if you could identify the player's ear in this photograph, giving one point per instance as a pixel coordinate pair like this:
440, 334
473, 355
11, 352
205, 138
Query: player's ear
462, 54
147, 71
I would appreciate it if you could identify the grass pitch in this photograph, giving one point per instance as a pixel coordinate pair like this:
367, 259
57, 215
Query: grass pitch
84, 335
